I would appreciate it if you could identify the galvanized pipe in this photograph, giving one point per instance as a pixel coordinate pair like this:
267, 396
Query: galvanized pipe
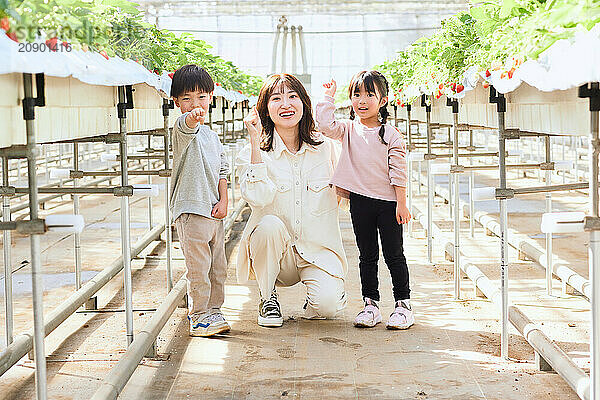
117, 378
37, 286
7, 244
24, 342
594, 257
456, 176
168, 238
549, 266
150, 223
430, 193
503, 239
410, 167
76, 211
471, 187
125, 227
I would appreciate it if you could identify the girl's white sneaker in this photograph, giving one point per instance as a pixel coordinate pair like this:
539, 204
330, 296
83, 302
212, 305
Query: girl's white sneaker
402, 317
369, 316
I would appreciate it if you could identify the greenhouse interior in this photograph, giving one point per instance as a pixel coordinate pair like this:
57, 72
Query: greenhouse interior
194, 206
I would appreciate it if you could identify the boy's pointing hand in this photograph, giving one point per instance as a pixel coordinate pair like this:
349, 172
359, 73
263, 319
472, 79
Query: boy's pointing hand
195, 117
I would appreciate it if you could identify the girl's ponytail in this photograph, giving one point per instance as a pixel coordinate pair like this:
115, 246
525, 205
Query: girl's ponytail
383, 115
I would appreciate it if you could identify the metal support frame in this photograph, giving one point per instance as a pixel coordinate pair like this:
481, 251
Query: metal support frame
592, 91
7, 244
29, 104
76, 211
409, 168
471, 187
549, 265
125, 102
430, 183
500, 102
456, 178
167, 106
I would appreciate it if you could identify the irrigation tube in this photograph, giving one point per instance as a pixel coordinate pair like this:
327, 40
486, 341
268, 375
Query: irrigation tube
22, 344
552, 354
118, 377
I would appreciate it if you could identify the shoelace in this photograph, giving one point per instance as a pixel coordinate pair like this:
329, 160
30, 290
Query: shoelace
270, 307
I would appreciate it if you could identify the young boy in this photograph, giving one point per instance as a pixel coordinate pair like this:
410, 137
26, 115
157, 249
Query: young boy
199, 200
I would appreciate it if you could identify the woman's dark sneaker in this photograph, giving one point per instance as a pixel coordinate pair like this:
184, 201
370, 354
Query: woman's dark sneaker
269, 312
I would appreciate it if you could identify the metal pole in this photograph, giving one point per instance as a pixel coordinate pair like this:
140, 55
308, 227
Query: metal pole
125, 234
457, 273
149, 182
76, 210
8, 298
503, 238
294, 64
36, 275
471, 187
549, 265
594, 258
167, 197
302, 50
274, 54
284, 49
430, 191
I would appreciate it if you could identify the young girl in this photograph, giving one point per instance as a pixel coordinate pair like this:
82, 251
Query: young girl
372, 173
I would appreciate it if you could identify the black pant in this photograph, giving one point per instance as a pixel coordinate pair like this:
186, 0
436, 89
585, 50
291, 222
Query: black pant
368, 216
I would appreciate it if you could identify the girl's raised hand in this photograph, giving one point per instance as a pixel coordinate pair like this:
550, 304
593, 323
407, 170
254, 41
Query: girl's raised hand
252, 122
330, 88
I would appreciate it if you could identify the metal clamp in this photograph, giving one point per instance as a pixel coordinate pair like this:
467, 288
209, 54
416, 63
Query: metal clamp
591, 91
429, 156
7, 191
113, 138
164, 173
470, 148
121, 191
547, 166
457, 169
591, 223
510, 133
76, 174
503, 194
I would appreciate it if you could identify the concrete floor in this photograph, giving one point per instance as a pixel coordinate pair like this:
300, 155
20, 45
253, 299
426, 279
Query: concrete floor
452, 352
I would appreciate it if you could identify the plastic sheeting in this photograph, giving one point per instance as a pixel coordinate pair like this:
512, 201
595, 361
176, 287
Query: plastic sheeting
88, 67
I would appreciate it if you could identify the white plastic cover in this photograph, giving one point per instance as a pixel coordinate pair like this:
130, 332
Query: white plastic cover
67, 223
484, 193
563, 222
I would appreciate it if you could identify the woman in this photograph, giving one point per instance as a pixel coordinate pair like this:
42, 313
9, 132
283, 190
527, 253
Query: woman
293, 233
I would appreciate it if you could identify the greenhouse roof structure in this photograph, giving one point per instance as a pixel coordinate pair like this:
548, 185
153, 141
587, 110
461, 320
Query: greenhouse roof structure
299, 7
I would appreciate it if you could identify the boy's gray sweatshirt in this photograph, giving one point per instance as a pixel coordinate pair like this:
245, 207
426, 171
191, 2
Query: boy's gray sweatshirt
199, 162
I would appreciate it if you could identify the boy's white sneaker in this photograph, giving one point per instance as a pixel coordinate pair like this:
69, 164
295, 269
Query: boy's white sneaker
402, 317
369, 316
208, 324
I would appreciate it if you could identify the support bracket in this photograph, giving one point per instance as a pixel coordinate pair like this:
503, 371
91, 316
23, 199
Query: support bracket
121, 191
498, 99
128, 104
167, 105
510, 133
429, 156
591, 223
454, 104
547, 166
457, 169
591, 91
7, 191
504, 194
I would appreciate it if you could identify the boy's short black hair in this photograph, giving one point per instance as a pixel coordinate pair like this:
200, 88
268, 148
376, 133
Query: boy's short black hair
189, 78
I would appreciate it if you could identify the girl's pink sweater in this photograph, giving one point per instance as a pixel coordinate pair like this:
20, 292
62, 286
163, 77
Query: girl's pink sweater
366, 166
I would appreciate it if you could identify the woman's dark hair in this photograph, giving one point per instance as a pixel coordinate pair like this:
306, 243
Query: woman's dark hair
369, 80
189, 78
306, 127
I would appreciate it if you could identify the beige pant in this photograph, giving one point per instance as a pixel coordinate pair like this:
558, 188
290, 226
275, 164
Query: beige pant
275, 261
203, 245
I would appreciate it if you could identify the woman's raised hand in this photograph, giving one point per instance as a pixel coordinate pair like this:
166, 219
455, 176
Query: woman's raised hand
330, 88
252, 122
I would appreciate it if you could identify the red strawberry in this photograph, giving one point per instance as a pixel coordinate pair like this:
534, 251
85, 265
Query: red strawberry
459, 88
503, 75
52, 44
171, 75
441, 86
402, 105
399, 90
438, 94
217, 84
13, 37
453, 86
5, 24
240, 92
486, 85
103, 54
487, 73
398, 102
65, 44
510, 73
